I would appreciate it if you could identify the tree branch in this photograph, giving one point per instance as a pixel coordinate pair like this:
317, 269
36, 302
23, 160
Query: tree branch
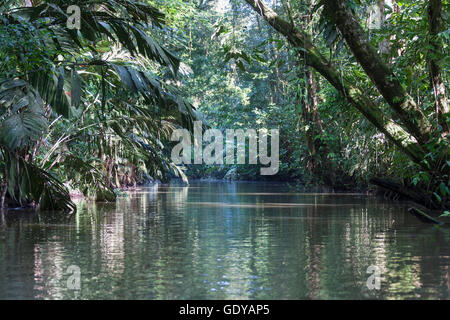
314, 58
384, 79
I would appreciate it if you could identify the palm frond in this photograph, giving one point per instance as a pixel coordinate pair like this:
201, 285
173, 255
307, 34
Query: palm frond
22, 113
88, 176
117, 20
29, 183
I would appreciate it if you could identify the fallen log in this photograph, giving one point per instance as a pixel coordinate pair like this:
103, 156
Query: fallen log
422, 216
417, 196
408, 193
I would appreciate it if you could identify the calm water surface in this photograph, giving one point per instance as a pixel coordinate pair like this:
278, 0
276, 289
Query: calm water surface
225, 241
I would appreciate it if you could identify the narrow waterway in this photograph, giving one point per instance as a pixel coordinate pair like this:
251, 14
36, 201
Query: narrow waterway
225, 241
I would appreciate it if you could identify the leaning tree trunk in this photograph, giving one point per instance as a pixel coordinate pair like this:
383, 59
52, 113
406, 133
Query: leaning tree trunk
384, 79
354, 95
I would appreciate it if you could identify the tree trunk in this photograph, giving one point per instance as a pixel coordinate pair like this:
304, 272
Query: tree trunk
434, 61
384, 45
384, 79
318, 148
4, 189
354, 95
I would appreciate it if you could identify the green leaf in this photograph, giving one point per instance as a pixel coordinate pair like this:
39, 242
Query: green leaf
439, 199
18, 129
443, 188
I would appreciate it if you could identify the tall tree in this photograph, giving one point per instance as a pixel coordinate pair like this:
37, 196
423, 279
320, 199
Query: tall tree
402, 104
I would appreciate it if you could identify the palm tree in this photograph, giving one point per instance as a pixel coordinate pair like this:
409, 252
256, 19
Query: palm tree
75, 102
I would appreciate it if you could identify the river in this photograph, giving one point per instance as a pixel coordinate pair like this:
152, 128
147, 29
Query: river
225, 240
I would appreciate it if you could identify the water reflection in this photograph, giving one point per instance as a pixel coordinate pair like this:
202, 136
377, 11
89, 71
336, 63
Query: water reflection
225, 241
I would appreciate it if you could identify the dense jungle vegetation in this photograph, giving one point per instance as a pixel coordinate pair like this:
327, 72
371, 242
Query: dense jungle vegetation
356, 87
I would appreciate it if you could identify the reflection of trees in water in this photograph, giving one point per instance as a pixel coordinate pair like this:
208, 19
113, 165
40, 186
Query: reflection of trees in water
310, 252
33, 251
17, 257
49, 271
154, 244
